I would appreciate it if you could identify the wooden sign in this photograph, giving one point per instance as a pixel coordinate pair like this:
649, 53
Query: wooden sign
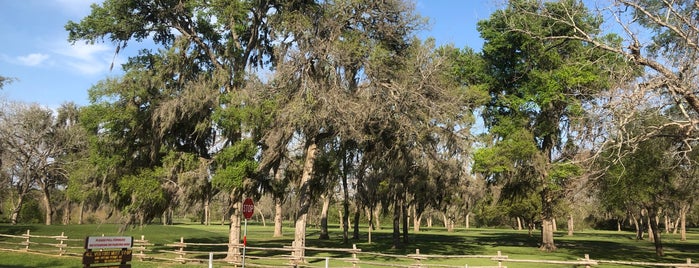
117, 258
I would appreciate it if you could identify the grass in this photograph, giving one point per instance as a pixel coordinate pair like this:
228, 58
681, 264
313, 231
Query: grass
600, 245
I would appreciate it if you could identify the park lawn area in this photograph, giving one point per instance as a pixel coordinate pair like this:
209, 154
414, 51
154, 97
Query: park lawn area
600, 245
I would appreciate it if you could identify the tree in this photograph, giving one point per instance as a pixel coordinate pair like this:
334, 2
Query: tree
4, 178
167, 98
652, 175
4, 81
67, 139
659, 38
322, 67
32, 149
537, 90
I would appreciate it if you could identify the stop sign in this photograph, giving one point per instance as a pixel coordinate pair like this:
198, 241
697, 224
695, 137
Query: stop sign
248, 208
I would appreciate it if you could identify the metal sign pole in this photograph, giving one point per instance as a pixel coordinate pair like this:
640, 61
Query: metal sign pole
245, 240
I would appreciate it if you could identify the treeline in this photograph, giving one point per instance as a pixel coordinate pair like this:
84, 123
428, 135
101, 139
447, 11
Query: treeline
312, 104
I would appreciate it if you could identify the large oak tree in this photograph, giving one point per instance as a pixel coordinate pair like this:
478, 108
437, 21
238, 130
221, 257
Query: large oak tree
537, 89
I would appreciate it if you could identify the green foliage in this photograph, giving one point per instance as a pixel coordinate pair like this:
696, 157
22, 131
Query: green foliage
143, 192
537, 88
32, 211
561, 172
643, 178
527, 208
122, 21
509, 151
234, 164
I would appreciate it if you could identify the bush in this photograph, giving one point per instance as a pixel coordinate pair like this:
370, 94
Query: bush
31, 212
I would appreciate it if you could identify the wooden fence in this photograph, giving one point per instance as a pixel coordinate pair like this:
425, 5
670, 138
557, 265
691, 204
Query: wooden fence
185, 252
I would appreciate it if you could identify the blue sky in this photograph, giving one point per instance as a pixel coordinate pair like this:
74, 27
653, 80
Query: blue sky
50, 71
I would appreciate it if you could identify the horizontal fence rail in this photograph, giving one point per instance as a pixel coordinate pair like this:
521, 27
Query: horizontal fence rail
189, 252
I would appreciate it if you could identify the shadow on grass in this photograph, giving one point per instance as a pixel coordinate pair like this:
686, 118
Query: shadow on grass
39, 264
624, 246
513, 239
16, 229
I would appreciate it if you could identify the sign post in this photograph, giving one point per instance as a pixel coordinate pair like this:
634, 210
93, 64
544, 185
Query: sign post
248, 210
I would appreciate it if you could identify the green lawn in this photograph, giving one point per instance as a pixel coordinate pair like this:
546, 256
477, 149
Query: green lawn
600, 245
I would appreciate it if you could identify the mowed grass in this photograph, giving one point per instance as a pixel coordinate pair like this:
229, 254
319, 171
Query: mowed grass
600, 245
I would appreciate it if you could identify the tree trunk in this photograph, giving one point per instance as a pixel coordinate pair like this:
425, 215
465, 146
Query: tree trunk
371, 223
446, 220
168, 216
345, 208
651, 235
639, 229
46, 199
416, 220
429, 221
555, 225
233, 254
683, 222
571, 224
396, 223
355, 224
207, 210
676, 225
66, 212
668, 225
342, 224
278, 217
519, 224
324, 217
141, 220
652, 214
404, 214
547, 243
304, 202
377, 219
81, 213
618, 225
450, 224
262, 215
468, 220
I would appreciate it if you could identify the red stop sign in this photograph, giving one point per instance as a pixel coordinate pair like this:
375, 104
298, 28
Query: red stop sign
248, 208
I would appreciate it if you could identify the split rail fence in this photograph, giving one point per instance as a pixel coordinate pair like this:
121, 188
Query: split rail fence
186, 252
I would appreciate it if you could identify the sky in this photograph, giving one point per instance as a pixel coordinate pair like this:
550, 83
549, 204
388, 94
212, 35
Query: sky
50, 71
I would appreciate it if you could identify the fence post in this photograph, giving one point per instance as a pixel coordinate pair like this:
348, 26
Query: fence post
181, 251
26, 247
354, 255
499, 258
142, 247
61, 247
587, 260
417, 258
292, 258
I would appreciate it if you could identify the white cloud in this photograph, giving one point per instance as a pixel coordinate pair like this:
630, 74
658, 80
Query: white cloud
87, 59
33, 59
82, 51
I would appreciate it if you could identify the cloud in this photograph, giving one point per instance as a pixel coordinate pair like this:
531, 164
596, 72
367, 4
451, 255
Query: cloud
87, 59
33, 59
